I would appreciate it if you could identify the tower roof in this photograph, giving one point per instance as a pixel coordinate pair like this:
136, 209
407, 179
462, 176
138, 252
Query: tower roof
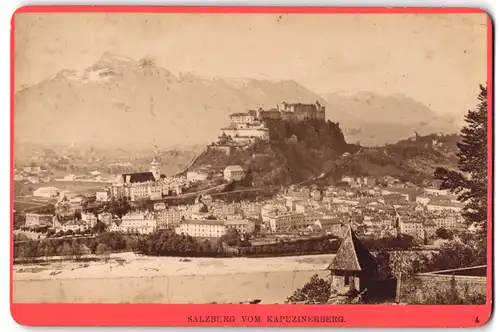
352, 255
155, 160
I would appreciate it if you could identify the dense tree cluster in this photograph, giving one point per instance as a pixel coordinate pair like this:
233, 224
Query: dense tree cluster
443, 233
170, 244
471, 180
299, 247
315, 291
401, 242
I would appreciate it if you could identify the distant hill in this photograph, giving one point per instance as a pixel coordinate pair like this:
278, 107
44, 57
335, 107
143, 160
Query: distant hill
121, 101
376, 119
407, 160
320, 155
80, 159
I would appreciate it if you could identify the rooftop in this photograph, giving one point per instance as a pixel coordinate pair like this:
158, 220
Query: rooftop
352, 255
204, 222
138, 177
238, 114
445, 203
237, 222
330, 222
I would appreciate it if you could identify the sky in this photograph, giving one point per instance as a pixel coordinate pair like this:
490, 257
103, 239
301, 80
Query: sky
437, 59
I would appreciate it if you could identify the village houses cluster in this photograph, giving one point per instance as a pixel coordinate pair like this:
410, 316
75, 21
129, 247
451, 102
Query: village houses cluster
378, 207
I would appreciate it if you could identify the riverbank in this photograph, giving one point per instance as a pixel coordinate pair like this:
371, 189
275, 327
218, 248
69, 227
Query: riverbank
127, 278
130, 265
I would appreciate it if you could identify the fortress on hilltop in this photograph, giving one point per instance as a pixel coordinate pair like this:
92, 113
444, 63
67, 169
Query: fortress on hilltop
246, 128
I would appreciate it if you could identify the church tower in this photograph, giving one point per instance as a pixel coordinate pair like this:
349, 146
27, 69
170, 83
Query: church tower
155, 165
155, 168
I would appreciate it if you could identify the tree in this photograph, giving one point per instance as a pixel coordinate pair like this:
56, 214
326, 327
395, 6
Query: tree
132, 243
315, 291
390, 264
119, 207
231, 237
103, 251
66, 249
99, 227
78, 249
470, 182
455, 254
443, 234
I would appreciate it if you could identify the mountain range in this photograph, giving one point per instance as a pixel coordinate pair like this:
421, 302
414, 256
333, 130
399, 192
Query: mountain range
118, 100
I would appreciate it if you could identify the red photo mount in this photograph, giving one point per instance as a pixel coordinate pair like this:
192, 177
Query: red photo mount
39, 314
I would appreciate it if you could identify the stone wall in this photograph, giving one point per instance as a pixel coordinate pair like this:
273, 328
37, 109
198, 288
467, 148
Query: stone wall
440, 289
270, 287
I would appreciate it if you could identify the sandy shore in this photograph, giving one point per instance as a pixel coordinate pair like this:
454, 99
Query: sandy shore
131, 265
127, 278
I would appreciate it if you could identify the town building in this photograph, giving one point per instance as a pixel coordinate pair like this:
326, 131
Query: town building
138, 222
90, 219
430, 228
159, 206
243, 226
102, 196
283, 222
369, 181
139, 186
46, 192
348, 179
412, 227
74, 226
447, 219
197, 175
201, 228
38, 220
250, 208
234, 172
76, 202
423, 199
394, 199
214, 228
168, 218
105, 217
331, 226
433, 191
444, 205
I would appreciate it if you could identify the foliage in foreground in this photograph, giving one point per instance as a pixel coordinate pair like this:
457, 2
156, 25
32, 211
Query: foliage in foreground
462, 252
315, 291
471, 181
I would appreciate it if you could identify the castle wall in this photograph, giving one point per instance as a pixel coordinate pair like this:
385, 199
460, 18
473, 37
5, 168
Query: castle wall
260, 133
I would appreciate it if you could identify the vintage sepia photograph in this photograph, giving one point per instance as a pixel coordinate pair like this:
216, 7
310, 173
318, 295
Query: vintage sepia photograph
251, 158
